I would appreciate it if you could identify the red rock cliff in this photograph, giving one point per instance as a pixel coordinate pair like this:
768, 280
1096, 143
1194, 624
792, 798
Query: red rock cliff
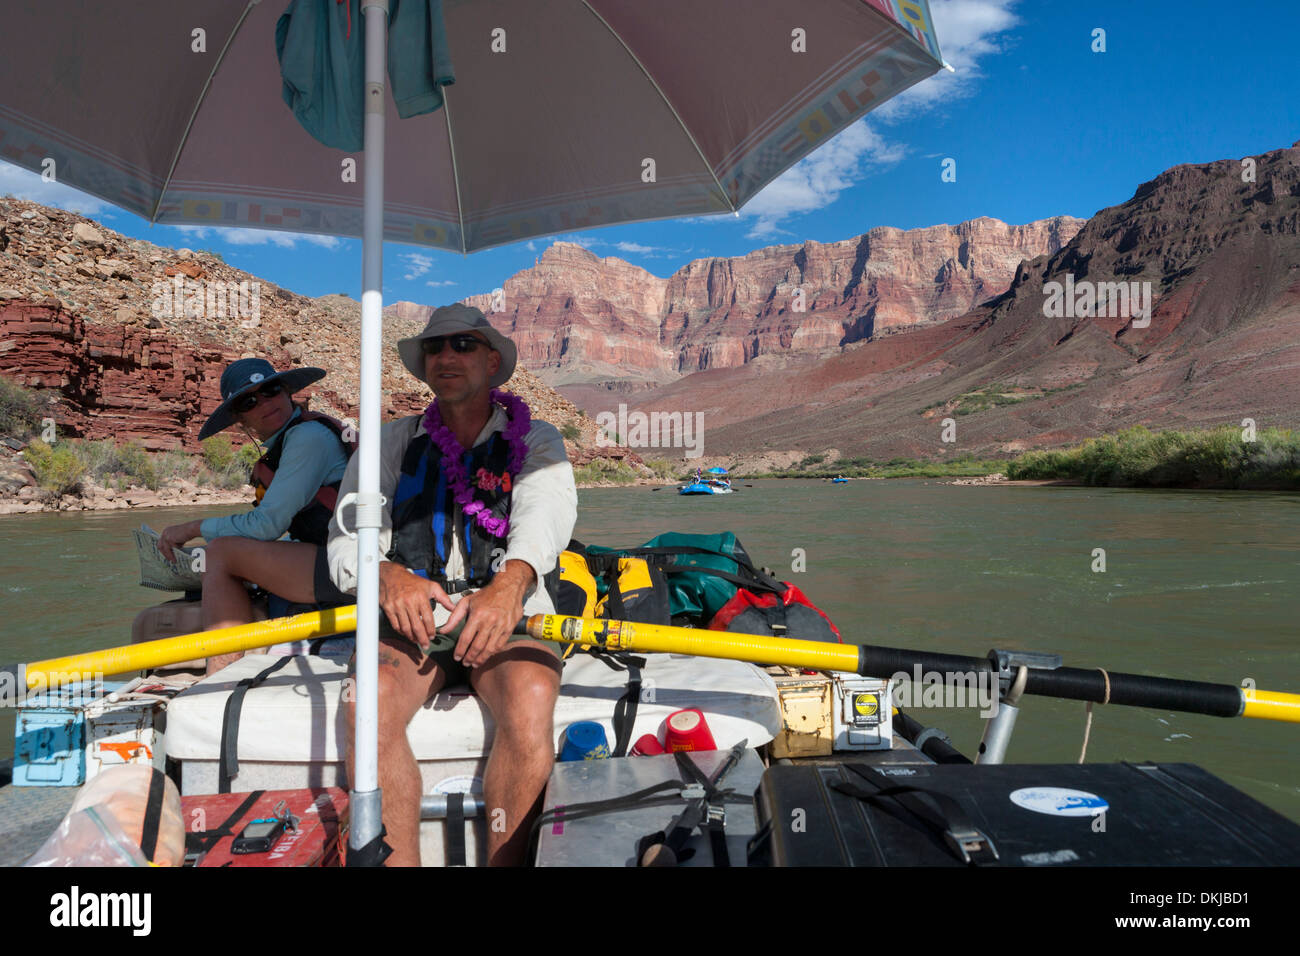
580, 318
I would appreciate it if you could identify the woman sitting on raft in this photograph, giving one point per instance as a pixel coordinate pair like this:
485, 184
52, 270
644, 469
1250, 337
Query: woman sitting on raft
296, 482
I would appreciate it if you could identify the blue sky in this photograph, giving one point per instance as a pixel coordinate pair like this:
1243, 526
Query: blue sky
1038, 124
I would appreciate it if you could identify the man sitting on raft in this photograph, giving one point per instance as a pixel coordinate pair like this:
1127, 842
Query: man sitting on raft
296, 483
481, 502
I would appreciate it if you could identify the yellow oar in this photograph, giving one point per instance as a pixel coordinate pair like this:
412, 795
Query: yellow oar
1217, 700
20, 680
1221, 700
657, 638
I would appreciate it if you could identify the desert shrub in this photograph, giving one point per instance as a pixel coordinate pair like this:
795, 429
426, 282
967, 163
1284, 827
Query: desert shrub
225, 466
20, 409
570, 431
136, 466
228, 467
58, 469
662, 468
100, 459
605, 469
170, 465
218, 452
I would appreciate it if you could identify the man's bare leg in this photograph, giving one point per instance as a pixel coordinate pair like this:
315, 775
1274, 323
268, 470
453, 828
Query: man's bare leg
406, 680
519, 686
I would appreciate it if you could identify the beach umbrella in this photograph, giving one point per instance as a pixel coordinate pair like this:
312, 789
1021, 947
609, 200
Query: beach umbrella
564, 114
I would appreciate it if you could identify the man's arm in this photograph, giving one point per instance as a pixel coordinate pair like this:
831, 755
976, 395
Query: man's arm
311, 452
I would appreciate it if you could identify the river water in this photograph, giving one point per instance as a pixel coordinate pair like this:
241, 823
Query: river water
1199, 585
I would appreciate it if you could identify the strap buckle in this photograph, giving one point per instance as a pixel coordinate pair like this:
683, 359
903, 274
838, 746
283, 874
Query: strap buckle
967, 842
715, 814
693, 791
281, 812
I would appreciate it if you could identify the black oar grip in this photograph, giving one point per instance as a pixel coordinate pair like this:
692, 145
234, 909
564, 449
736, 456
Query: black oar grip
885, 662
1135, 690
1070, 683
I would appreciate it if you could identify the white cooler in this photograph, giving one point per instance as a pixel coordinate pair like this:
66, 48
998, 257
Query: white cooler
291, 730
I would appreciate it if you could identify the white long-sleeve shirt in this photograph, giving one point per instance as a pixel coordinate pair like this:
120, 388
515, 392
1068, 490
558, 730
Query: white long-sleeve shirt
543, 506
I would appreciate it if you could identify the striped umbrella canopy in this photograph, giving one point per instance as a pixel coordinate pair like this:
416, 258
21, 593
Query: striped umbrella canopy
563, 114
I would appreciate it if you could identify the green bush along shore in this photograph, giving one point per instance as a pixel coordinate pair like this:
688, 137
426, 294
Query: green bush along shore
816, 466
1136, 457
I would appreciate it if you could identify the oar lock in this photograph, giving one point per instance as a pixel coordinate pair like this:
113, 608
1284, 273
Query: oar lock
1008, 665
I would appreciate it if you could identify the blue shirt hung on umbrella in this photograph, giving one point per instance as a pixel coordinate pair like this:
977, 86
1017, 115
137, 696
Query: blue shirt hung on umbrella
321, 47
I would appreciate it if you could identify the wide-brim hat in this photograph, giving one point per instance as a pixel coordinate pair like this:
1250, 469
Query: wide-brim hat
246, 374
449, 320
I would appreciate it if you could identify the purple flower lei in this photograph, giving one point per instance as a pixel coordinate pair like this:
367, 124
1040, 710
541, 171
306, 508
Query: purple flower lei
453, 465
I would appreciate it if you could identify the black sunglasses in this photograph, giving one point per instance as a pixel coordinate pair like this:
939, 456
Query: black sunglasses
249, 401
459, 343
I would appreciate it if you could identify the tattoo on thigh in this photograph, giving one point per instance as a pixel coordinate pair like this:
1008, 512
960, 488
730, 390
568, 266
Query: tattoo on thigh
389, 657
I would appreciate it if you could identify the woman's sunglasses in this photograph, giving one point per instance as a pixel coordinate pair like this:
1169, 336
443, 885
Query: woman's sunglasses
459, 343
249, 401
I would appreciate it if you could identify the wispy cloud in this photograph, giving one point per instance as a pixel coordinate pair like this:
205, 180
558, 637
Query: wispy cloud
579, 240
634, 247
819, 178
284, 240
238, 236
25, 184
969, 32
437, 283
417, 264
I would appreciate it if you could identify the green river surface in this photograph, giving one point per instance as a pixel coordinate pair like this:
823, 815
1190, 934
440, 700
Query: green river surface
1200, 585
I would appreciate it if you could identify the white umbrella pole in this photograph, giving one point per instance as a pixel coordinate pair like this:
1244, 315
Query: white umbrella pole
366, 801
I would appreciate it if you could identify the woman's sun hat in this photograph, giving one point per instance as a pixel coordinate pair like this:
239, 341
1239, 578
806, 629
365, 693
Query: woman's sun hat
246, 374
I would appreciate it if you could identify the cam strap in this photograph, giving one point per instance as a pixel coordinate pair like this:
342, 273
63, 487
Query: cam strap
625, 710
705, 809
153, 814
200, 841
665, 794
228, 765
645, 797
626, 706
455, 829
943, 815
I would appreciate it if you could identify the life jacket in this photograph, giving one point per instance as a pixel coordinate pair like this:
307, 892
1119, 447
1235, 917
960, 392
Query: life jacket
712, 582
311, 524
423, 508
703, 572
424, 504
604, 584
